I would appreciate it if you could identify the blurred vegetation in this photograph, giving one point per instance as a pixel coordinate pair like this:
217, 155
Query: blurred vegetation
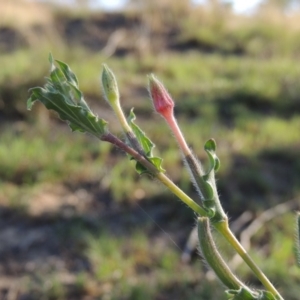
77, 222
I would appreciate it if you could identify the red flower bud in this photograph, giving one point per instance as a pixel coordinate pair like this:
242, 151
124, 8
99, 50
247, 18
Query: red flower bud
162, 101
164, 105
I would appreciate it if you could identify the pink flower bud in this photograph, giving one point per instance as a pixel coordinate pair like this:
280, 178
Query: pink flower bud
164, 105
162, 101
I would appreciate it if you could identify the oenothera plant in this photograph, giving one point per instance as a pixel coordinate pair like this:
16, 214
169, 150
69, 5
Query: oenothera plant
61, 93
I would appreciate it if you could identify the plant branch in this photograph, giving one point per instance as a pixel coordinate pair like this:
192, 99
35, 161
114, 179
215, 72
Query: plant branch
224, 229
213, 258
159, 175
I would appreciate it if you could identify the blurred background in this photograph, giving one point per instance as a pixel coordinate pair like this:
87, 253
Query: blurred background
76, 221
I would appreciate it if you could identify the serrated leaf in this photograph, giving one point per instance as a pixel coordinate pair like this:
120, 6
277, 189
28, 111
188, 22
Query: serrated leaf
146, 144
140, 169
144, 141
157, 161
61, 94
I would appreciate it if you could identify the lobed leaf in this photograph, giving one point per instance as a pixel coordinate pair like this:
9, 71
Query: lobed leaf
61, 93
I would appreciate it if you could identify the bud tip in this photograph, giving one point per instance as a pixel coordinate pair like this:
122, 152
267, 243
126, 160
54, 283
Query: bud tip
109, 85
162, 101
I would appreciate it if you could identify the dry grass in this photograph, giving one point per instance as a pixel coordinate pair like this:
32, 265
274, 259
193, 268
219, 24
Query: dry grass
24, 14
212, 25
275, 16
30, 22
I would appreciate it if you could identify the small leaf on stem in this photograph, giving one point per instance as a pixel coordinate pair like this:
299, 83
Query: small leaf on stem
146, 144
214, 162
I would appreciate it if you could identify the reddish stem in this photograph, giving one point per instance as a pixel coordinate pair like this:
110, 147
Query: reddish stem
121, 145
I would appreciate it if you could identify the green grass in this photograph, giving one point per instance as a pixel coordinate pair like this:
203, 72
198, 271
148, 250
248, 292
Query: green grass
30, 159
135, 272
212, 86
277, 257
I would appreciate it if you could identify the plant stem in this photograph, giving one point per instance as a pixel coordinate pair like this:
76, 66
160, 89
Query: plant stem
120, 115
224, 229
137, 156
212, 256
181, 195
160, 176
178, 134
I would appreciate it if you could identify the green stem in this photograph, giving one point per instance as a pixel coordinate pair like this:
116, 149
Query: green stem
127, 129
213, 258
224, 229
151, 168
181, 195
120, 115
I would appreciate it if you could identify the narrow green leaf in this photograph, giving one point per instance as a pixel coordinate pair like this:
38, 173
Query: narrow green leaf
214, 162
57, 77
157, 161
71, 77
146, 144
31, 101
208, 184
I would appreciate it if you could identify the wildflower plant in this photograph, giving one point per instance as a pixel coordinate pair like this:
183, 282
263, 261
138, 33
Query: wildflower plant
62, 94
